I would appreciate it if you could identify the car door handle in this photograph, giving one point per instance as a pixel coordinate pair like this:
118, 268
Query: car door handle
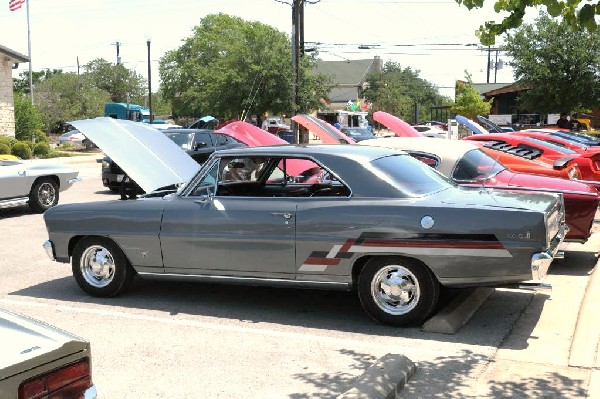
22, 173
284, 214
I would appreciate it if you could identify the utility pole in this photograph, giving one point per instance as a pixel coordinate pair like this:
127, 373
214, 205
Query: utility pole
117, 44
497, 64
149, 83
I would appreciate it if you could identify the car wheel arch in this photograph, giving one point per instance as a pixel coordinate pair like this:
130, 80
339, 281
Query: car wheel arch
362, 261
73, 241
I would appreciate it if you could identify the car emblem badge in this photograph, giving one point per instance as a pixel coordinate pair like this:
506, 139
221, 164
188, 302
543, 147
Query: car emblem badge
427, 222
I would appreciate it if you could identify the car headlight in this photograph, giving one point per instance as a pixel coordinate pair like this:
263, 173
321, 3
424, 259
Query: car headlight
105, 164
574, 173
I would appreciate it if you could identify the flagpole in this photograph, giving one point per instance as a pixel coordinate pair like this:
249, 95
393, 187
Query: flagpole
29, 48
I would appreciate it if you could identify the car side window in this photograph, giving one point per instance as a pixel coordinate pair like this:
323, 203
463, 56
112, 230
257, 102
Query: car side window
427, 159
262, 176
202, 140
207, 185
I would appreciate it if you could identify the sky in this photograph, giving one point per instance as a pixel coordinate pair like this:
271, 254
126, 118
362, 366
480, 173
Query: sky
436, 37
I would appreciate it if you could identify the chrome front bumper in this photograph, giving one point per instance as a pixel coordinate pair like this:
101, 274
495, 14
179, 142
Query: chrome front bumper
49, 248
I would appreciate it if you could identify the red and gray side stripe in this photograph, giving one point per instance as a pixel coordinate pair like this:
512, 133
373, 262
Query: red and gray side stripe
433, 245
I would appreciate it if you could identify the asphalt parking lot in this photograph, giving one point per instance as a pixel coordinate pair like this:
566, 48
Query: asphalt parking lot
172, 340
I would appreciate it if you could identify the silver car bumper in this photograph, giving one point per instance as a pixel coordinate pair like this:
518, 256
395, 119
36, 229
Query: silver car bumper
49, 248
541, 261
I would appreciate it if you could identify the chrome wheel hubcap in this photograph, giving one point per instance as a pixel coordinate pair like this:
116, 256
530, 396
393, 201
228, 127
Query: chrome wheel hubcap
395, 290
97, 266
46, 194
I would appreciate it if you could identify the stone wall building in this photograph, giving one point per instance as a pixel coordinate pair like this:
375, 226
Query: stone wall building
9, 59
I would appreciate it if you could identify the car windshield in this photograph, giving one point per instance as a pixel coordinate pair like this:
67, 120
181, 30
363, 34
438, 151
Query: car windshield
410, 176
358, 132
183, 140
476, 165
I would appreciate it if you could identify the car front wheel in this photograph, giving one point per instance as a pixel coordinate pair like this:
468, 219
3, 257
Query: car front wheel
43, 195
397, 291
100, 267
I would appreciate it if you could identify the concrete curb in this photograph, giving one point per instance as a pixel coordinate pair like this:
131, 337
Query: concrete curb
383, 380
458, 311
586, 337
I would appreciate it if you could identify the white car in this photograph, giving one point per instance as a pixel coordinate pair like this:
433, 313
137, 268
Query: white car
431, 131
36, 183
41, 361
73, 137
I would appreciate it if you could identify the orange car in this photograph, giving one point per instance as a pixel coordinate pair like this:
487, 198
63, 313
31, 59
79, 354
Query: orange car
518, 160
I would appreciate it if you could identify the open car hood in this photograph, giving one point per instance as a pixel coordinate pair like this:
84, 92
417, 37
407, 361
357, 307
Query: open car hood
476, 128
324, 131
253, 136
143, 152
396, 125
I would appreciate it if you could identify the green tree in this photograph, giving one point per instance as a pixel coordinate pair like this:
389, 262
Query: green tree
21, 84
121, 83
468, 103
27, 117
576, 13
561, 69
68, 96
230, 67
396, 90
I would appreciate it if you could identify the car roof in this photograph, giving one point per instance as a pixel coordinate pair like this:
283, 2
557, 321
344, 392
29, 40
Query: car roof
314, 150
448, 151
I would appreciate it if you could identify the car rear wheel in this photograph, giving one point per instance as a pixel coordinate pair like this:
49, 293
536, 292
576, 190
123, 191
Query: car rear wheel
100, 267
397, 291
43, 195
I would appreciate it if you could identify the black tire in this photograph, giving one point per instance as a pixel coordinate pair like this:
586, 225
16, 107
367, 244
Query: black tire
43, 194
100, 267
417, 291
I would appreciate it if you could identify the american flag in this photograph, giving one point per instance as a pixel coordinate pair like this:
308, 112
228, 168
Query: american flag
14, 5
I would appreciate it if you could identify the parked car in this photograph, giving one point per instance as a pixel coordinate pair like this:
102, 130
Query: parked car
533, 148
36, 183
41, 361
274, 125
468, 165
358, 133
197, 143
563, 139
74, 137
365, 217
438, 124
431, 131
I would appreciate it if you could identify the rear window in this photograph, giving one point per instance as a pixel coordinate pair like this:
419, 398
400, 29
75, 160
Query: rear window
410, 176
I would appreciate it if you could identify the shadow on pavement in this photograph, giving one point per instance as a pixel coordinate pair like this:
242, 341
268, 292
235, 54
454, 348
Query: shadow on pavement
329, 310
331, 385
575, 263
456, 377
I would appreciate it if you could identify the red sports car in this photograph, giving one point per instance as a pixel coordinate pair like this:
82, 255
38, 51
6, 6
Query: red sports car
534, 148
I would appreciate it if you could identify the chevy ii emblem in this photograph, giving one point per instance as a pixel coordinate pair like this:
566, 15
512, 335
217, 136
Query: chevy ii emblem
427, 222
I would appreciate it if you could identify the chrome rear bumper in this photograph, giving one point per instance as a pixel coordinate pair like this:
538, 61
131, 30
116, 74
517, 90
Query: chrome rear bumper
541, 261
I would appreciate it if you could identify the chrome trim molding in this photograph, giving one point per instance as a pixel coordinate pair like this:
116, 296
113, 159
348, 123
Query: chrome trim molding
277, 282
49, 248
13, 202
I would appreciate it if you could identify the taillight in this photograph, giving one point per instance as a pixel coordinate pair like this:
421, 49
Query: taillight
69, 382
574, 173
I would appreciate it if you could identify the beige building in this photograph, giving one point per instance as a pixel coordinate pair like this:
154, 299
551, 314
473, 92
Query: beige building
9, 59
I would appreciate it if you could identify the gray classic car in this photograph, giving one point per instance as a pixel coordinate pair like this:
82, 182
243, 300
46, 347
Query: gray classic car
36, 183
322, 216
41, 361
